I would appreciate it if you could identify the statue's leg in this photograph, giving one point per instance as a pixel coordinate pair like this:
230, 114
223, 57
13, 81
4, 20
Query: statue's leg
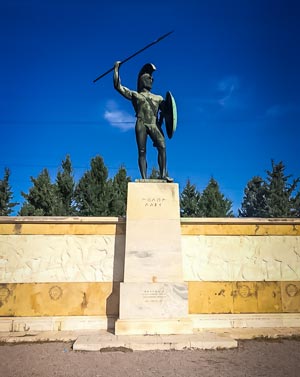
158, 139
162, 161
141, 139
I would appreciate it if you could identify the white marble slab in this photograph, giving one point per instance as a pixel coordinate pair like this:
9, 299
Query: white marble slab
55, 258
74, 258
153, 233
153, 300
241, 258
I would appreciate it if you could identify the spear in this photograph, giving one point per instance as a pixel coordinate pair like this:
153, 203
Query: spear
133, 55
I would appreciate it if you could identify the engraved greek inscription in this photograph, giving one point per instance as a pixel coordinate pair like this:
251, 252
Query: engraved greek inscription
153, 201
154, 295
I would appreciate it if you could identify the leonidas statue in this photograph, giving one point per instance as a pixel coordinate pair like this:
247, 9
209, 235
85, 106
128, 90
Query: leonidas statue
151, 110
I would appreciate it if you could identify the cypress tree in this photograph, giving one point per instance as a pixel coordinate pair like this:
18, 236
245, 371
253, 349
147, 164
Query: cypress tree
272, 197
65, 188
118, 190
296, 205
213, 203
6, 195
255, 199
41, 199
92, 191
279, 191
154, 174
190, 201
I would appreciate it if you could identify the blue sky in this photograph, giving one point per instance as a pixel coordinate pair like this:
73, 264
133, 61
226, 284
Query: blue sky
232, 67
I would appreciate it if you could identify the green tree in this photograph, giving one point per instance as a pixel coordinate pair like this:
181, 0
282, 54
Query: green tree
65, 189
92, 192
274, 196
154, 174
118, 191
280, 201
213, 203
296, 205
41, 199
190, 201
255, 199
6, 195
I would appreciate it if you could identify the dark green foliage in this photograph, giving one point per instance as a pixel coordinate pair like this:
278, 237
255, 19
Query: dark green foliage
279, 192
273, 197
92, 193
6, 195
118, 192
42, 198
213, 203
95, 195
296, 205
154, 174
255, 199
190, 201
65, 189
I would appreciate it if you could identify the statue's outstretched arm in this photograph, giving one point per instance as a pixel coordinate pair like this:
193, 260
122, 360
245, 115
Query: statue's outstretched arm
127, 93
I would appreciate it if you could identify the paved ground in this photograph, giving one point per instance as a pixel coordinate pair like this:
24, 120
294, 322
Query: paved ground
252, 358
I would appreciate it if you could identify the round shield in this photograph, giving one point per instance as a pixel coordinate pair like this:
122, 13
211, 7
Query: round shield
170, 114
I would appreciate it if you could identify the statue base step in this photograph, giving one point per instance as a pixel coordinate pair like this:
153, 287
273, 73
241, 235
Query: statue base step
172, 326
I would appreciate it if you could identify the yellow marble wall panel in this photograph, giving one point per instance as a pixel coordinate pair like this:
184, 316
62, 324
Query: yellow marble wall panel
192, 229
290, 292
7, 299
269, 297
210, 297
245, 297
72, 299
57, 229
66, 299
49, 225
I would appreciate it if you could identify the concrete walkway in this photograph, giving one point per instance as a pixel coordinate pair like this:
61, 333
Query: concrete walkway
91, 340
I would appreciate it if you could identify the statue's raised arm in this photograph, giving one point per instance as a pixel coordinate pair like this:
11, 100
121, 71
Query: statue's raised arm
127, 93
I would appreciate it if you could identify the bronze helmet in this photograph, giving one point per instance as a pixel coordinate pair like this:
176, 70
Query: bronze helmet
147, 68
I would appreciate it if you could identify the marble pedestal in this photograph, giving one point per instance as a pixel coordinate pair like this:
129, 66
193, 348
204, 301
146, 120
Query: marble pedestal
153, 297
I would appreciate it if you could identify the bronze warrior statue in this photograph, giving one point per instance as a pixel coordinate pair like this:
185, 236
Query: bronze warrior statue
150, 111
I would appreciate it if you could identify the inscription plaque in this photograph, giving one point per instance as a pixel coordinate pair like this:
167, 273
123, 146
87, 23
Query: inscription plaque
154, 295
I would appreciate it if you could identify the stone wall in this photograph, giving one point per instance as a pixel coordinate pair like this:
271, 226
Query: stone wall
73, 266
